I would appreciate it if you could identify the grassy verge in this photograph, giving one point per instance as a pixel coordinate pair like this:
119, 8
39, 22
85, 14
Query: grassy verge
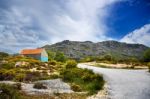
117, 67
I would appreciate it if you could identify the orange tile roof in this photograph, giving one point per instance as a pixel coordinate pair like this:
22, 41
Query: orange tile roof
31, 51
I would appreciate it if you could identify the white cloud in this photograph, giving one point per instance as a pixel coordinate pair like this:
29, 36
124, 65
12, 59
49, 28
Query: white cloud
32, 23
141, 35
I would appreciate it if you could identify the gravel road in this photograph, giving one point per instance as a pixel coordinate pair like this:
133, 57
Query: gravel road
123, 83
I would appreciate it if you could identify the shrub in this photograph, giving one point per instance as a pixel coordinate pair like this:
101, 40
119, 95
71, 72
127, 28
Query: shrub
88, 59
51, 55
93, 87
54, 76
71, 64
7, 74
86, 79
147, 55
76, 87
8, 92
32, 76
60, 57
52, 62
39, 85
7, 65
20, 77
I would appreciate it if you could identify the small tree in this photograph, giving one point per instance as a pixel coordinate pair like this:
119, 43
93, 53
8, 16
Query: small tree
60, 57
51, 55
71, 64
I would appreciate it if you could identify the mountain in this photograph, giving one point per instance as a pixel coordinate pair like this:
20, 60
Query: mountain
78, 50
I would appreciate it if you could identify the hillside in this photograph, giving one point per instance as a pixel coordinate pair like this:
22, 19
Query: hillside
78, 50
3, 55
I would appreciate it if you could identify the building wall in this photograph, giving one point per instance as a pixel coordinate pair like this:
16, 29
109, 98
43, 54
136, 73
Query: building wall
44, 59
44, 56
35, 56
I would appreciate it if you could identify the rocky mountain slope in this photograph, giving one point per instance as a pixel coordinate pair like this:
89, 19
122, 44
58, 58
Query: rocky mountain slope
78, 50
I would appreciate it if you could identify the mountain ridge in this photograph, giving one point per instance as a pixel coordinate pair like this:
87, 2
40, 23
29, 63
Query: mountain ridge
81, 49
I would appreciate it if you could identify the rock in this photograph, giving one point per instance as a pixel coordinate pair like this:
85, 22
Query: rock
53, 86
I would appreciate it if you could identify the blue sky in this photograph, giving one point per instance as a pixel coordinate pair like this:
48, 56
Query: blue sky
34, 23
128, 16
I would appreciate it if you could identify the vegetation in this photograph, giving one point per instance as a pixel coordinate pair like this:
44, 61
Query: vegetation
75, 87
82, 79
147, 55
112, 59
20, 77
71, 64
9, 92
51, 55
3, 55
60, 57
78, 50
147, 58
26, 69
57, 56
23, 71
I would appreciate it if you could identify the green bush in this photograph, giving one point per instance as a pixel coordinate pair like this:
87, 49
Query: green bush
54, 76
39, 85
32, 76
9, 92
52, 62
7, 74
88, 59
71, 64
51, 55
147, 55
20, 77
86, 79
76, 88
60, 57
7, 65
